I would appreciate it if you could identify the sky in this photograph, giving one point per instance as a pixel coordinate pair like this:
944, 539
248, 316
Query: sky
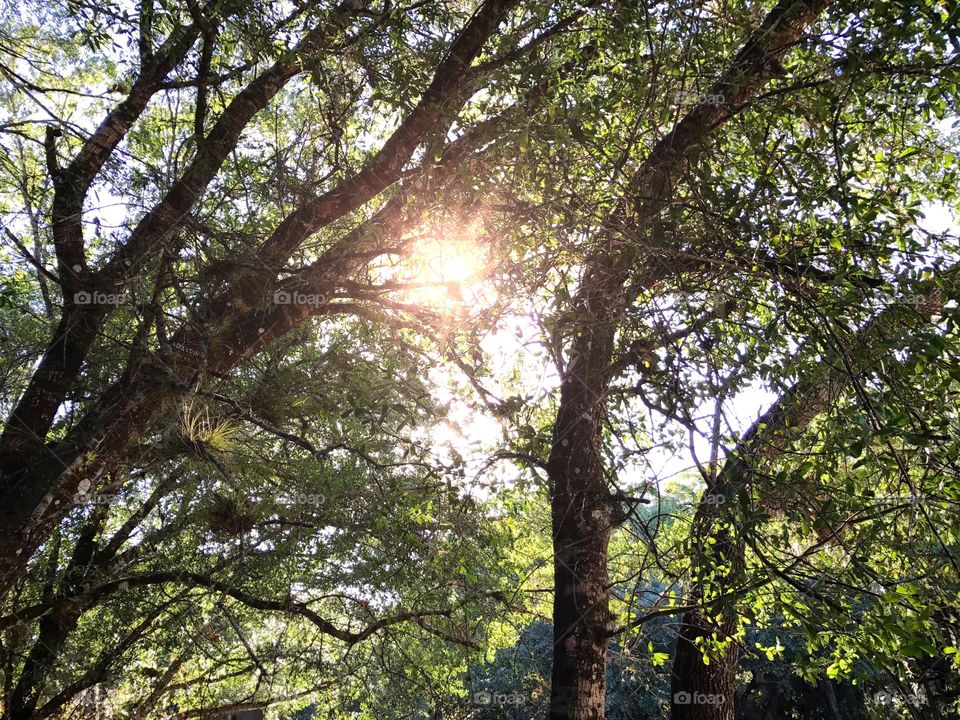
475, 434
450, 271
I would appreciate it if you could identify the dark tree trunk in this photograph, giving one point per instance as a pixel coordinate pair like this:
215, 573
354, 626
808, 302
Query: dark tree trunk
55, 629
37, 479
583, 509
830, 698
581, 533
701, 691
583, 517
53, 633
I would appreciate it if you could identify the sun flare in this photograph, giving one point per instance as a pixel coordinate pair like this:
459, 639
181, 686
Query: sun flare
446, 267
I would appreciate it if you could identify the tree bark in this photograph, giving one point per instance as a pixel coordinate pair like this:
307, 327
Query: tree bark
38, 483
716, 527
583, 517
702, 691
55, 628
583, 509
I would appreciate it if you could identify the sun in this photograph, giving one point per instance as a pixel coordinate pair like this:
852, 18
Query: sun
446, 267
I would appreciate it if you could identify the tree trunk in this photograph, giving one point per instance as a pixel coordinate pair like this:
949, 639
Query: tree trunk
830, 698
583, 516
37, 486
53, 633
701, 691
716, 525
583, 509
580, 611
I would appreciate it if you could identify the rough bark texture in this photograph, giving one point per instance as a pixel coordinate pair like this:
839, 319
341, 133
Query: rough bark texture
582, 517
582, 506
229, 327
706, 691
702, 692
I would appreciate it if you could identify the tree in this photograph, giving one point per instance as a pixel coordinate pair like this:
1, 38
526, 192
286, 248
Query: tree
178, 371
696, 203
584, 510
280, 549
220, 302
638, 250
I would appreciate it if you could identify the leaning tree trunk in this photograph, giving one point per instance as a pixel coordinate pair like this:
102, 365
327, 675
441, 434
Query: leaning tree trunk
720, 549
37, 483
